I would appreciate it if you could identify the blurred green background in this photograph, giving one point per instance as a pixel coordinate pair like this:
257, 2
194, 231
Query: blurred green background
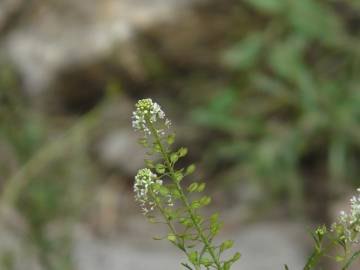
264, 93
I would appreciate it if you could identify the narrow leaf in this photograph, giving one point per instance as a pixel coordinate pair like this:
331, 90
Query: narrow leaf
182, 152
190, 169
193, 187
170, 139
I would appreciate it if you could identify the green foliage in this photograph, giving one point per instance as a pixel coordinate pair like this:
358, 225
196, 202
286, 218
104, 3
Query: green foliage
7, 260
268, 6
294, 93
21, 128
47, 184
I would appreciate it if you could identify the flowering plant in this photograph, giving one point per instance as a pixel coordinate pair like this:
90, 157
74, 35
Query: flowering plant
159, 187
343, 235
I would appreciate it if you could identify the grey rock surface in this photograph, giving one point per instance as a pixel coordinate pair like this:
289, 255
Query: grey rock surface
264, 246
271, 245
14, 250
120, 150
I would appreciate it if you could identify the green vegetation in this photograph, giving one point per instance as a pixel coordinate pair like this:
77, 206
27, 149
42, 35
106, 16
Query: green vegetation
292, 108
44, 184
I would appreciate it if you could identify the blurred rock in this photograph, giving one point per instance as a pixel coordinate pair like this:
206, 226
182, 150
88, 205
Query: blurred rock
111, 203
15, 250
271, 245
201, 35
263, 246
120, 150
9, 12
59, 34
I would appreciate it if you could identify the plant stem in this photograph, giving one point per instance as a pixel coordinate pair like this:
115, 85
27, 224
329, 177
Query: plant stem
168, 222
183, 197
315, 257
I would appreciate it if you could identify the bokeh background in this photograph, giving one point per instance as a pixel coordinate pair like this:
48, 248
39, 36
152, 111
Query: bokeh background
264, 93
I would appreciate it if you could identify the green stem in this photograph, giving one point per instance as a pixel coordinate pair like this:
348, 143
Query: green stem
315, 257
168, 222
352, 259
183, 197
204, 248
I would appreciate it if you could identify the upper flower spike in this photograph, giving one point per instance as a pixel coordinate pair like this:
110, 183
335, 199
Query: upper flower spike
148, 111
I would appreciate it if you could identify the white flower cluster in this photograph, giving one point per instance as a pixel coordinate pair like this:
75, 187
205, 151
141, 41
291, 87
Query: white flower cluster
148, 111
348, 224
144, 181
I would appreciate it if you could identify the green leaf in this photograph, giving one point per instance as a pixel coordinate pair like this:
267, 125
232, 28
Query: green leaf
214, 218
215, 228
187, 222
339, 258
170, 139
245, 54
160, 168
156, 187
158, 238
227, 265
174, 158
206, 262
143, 142
268, 6
236, 257
205, 201
195, 205
170, 215
190, 169
286, 58
182, 152
314, 19
199, 219
171, 237
196, 187
201, 187
175, 193
156, 148
149, 163
178, 176
226, 245
193, 257
163, 191
193, 187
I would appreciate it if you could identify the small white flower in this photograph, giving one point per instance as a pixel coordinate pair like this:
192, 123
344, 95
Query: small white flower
148, 111
144, 181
